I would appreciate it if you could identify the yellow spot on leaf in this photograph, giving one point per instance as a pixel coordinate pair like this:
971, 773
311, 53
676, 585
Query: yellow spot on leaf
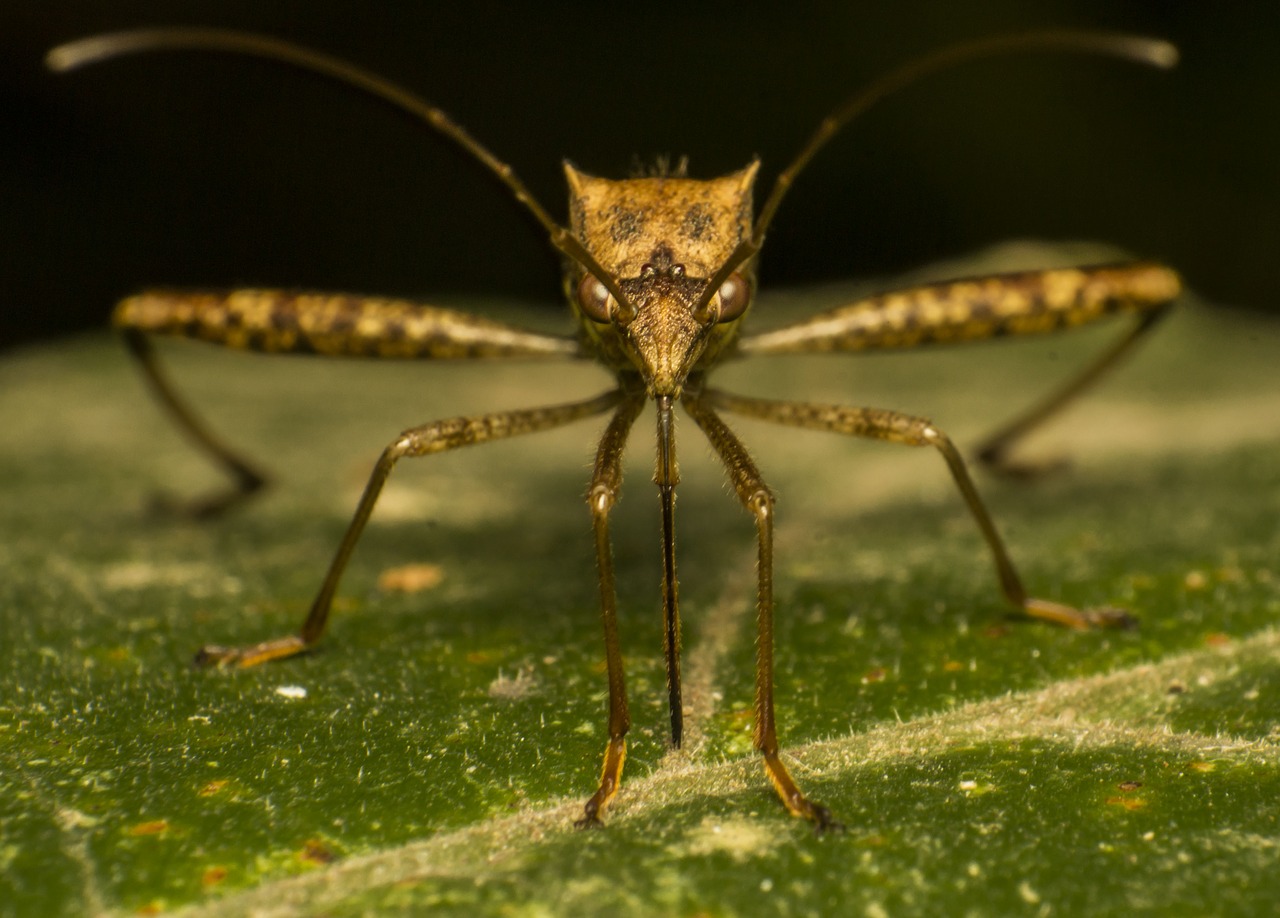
315, 851
1129, 803
410, 578
155, 827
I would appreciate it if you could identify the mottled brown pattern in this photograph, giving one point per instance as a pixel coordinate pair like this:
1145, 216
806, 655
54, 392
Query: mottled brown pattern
876, 423
624, 224
658, 209
276, 321
677, 233
697, 224
453, 433
1022, 303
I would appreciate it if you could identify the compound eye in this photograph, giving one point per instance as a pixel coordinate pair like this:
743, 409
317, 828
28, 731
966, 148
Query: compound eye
734, 295
594, 298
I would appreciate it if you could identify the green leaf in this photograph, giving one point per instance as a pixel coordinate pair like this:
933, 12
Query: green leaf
435, 750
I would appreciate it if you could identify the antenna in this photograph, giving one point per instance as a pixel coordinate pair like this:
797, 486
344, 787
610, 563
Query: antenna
1153, 52
99, 48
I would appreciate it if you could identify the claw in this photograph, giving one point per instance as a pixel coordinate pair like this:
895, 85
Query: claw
1112, 618
997, 463
824, 821
215, 655
590, 816
162, 505
219, 656
1107, 617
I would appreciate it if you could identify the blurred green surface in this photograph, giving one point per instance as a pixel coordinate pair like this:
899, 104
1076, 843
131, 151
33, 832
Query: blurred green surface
435, 750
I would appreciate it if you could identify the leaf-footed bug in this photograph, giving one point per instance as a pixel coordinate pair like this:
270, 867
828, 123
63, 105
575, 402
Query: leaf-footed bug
660, 274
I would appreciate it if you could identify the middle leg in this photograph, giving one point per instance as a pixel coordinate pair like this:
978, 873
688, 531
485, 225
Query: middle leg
913, 431
428, 439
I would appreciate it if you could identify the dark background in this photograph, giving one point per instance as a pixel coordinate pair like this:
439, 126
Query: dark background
201, 170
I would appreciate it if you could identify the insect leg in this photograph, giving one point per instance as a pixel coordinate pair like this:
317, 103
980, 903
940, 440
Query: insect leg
912, 431
971, 309
606, 484
246, 480
993, 451
756, 497
335, 325
436, 437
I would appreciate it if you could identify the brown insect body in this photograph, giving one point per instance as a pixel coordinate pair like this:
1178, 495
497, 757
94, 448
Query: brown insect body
660, 272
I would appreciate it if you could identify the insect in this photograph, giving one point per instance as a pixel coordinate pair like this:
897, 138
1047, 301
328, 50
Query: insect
660, 274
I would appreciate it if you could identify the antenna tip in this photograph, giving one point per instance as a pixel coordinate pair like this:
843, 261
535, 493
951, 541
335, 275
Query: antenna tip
82, 51
62, 58
1162, 54
97, 48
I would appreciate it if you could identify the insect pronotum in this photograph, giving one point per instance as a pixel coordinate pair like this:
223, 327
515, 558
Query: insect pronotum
660, 273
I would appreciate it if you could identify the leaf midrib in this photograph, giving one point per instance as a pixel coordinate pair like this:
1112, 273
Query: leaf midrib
1072, 713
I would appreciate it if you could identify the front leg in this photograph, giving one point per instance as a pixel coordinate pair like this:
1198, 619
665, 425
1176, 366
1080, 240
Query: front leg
606, 483
912, 431
438, 437
756, 497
